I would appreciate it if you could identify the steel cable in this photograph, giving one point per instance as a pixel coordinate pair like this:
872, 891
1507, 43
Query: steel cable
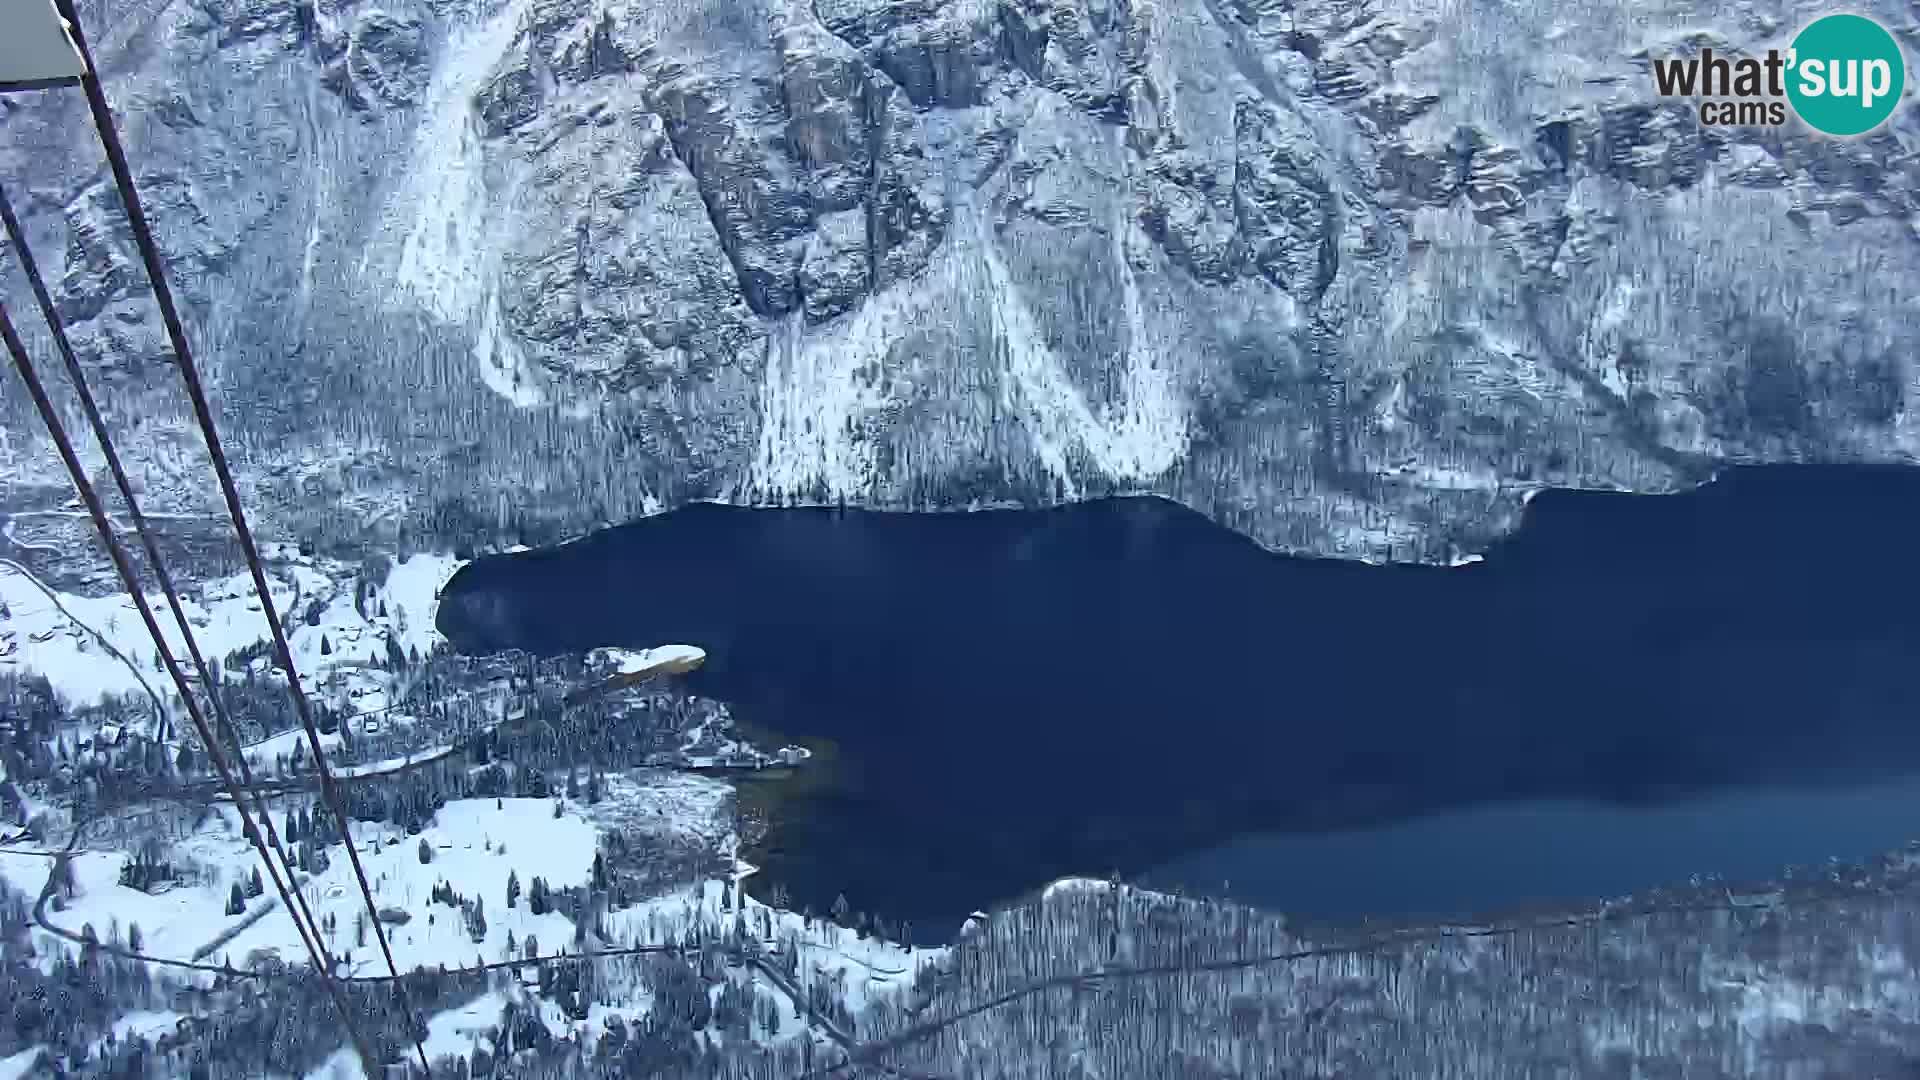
109, 136
97, 510
17, 236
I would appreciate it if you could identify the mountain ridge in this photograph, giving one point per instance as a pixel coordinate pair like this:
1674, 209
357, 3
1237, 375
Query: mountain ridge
1353, 285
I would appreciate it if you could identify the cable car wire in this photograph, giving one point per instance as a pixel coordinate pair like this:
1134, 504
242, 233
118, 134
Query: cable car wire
155, 562
97, 510
109, 136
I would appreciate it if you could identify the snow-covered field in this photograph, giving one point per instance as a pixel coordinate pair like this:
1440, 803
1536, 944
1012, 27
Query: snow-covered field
456, 1032
474, 845
146, 1026
868, 968
19, 1066
36, 636
172, 923
412, 592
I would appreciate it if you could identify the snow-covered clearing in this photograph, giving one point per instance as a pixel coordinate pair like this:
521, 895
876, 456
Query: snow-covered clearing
870, 969
635, 801
169, 922
412, 593
473, 845
226, 616
340, 1065
36, 636
145, 1026
21, 1064
453, 1032
456, 1032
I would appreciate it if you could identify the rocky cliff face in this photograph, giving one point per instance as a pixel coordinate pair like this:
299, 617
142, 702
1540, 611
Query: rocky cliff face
1351, 275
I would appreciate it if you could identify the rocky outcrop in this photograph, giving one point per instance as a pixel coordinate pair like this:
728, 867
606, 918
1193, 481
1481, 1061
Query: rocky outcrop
1343, 275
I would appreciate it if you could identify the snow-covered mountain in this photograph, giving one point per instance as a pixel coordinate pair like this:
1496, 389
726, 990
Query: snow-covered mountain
1352, 277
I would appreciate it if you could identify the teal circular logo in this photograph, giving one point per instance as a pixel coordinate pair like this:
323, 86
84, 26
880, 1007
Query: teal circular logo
1846, 74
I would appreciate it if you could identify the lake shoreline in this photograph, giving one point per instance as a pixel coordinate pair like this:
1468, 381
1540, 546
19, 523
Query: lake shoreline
1117, 685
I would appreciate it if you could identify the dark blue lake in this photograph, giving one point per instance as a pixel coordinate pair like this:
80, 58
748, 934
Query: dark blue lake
1629, 689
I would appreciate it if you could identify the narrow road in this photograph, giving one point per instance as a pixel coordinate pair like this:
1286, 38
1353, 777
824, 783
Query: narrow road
842, 1037
212, 790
